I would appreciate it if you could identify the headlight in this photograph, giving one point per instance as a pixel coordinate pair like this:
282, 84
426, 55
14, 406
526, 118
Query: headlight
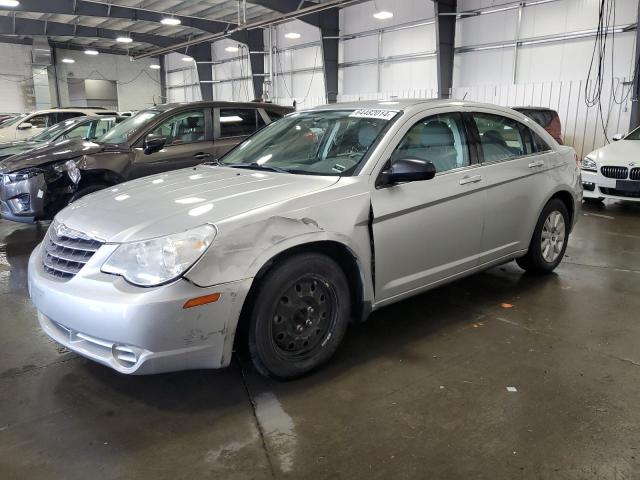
21, 175
159, 260
588, 164
71, 168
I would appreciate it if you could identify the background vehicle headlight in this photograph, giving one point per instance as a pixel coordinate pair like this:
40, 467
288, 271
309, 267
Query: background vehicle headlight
159, 260
588, 164
71, 167
21, 175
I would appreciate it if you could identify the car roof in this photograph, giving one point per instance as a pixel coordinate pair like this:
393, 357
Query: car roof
407, 104
170, 106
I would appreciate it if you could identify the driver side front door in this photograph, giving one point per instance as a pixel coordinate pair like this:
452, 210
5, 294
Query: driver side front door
427, 232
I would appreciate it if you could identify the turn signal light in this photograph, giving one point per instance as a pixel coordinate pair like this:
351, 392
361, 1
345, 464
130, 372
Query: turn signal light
198, 301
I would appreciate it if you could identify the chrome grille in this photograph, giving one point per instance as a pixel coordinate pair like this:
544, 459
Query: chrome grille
615, 172
635, 174
65, 253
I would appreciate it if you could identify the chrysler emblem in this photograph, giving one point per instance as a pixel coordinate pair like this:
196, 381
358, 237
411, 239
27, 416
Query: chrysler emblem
61, 230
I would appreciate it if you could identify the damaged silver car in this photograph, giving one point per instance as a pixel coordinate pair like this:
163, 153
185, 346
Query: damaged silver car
306, 226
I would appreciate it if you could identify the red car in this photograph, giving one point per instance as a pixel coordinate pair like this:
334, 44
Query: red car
546, 117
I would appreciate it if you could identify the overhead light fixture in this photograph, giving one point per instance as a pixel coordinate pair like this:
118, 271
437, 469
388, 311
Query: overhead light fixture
292, 35
383, 15
231, 49
68, 60
171, 21
187, 59
91, 52
124, 39
155, 66
9, 3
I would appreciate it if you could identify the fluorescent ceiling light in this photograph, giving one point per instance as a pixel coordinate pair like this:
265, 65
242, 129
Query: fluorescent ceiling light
292, 35
171, 21
91, 52
68, 60
231, 49
9, 3
187, 59
155, 66
383, 15
124, 39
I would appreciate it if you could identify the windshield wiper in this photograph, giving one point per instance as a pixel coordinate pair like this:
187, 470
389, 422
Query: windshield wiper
255, 166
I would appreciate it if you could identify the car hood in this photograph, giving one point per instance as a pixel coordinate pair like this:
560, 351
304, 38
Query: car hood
176, 201
9, 149
49, 152
622, 152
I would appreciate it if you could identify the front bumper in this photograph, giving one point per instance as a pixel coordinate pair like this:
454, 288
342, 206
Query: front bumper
131, 329
596, 185
22, 201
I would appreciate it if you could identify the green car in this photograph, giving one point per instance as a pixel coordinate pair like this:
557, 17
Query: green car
88, 128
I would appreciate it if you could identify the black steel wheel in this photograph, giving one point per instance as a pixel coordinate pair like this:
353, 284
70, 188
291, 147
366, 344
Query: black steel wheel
299, 316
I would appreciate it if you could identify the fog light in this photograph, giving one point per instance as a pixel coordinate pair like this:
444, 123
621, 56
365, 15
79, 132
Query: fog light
21, 203
124, 355
589, 186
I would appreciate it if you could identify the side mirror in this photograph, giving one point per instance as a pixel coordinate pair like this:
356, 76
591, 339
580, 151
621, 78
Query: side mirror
25, 126
408, 170
153, 143
617, 136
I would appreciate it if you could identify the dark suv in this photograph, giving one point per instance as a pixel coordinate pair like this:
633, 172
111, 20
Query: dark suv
549, 119
36, 185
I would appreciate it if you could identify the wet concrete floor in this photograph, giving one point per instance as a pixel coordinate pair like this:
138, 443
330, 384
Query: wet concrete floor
419, 391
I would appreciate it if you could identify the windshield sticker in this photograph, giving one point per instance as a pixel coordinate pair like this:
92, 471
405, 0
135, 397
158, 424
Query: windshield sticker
374, 113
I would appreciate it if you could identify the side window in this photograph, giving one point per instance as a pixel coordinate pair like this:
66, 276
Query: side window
501, 137
236, 122
539, 144
183, 128
439, 139
81, 131
273, 115
62, 116
41, 121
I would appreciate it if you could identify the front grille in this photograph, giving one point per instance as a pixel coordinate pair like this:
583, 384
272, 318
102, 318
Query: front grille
619, 193
65, 253
635, 174
619, 173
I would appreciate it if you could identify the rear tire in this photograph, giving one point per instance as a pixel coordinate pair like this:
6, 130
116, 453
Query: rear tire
299, 316
549, 240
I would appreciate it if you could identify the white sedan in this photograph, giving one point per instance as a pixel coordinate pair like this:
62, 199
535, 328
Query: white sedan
613, 171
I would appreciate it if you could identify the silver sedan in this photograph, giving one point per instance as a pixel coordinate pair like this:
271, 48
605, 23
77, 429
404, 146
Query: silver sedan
310, 224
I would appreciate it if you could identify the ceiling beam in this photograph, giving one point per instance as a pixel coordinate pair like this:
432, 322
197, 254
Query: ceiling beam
90, 8
29, 27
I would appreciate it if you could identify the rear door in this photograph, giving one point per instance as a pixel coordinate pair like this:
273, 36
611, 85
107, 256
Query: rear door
517, 184
428, 231
233, 125
189, 142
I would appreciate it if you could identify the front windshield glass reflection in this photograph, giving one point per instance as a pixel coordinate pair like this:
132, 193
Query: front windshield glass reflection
323, 142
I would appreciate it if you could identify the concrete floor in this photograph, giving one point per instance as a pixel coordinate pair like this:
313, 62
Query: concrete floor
419, 391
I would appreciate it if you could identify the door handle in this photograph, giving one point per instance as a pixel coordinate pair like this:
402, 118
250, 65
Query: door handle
202, 155
473, 179
537, 163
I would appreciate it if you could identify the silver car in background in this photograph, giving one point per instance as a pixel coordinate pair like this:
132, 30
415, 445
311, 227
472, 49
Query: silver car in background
311, 223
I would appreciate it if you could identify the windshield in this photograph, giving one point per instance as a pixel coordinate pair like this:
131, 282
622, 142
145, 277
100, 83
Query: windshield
121, 132
635, 135
317, 142
53, 131
14, 120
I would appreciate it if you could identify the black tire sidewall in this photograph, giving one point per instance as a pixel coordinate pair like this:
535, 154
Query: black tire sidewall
279, 278
535, 248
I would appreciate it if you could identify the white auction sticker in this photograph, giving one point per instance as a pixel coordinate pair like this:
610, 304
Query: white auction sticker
374, 113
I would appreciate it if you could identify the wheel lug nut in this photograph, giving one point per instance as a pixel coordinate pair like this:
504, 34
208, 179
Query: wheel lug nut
299, 328
308, 322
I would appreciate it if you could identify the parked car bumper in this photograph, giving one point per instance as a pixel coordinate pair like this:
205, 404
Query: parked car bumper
596, 185
22, 201
131, 329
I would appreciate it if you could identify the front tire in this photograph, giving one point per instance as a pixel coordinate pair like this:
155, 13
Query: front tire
299, 316
549, 240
